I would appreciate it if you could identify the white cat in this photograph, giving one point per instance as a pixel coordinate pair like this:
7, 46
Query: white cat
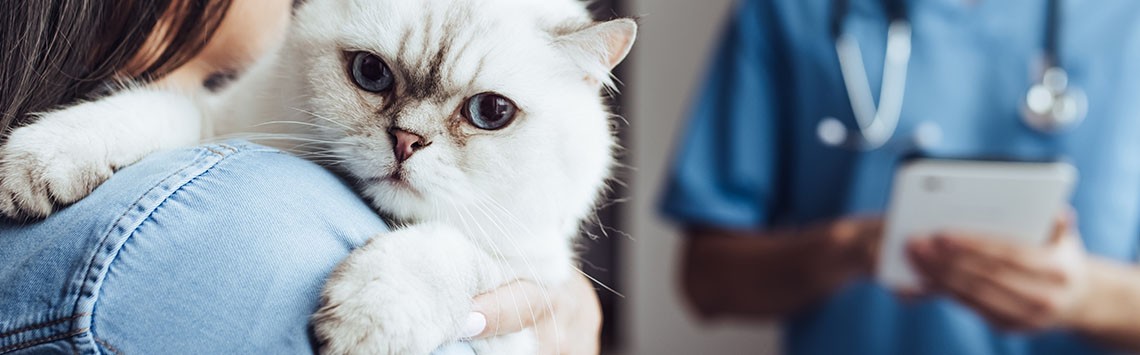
479, 124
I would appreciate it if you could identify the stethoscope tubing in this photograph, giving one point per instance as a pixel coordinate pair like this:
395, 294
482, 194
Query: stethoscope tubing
877, 123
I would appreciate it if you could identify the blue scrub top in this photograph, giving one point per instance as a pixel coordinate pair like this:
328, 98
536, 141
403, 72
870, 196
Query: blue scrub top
750, 156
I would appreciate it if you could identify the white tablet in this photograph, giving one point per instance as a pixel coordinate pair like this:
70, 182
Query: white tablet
1013, 201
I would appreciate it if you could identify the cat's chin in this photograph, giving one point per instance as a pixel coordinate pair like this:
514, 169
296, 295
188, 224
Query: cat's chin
395, 197
392, 183
393, 189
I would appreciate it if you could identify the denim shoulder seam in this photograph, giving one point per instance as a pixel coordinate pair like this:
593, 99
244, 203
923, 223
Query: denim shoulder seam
42, 340
135, 215
40, 325
113, 350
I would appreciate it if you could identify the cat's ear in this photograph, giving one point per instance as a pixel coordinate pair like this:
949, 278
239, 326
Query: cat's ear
599, 48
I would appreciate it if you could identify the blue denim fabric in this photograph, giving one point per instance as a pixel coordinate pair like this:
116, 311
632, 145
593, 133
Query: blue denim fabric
216, 249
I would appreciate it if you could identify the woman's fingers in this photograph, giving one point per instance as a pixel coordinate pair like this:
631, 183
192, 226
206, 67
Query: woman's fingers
567, 318
508, 309
577, 329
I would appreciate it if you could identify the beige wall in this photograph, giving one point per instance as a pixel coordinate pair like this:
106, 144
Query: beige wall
670, 58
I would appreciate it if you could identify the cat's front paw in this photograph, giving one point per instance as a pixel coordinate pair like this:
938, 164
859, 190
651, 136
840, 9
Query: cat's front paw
385, 325
43, 166
406, 292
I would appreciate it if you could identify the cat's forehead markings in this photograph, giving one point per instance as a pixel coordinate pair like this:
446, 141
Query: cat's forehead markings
403, 51
429, 25
451, 46
478, 72
462, 52
430, 70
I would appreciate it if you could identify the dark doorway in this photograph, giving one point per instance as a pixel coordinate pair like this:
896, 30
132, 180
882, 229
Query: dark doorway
604, 236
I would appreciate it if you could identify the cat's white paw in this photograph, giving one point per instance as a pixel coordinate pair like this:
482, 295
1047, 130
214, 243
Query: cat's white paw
406, 292
43, 166
66, 154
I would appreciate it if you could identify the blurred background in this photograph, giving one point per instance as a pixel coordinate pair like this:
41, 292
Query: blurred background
984, 84
641, 259
669, 61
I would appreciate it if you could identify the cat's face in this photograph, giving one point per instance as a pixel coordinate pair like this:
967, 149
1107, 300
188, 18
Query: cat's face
452, 107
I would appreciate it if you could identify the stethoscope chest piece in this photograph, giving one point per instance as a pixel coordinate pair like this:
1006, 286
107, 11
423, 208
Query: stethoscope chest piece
1052, 105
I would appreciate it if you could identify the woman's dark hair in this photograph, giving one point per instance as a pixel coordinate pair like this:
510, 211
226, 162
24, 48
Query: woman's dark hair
55, 52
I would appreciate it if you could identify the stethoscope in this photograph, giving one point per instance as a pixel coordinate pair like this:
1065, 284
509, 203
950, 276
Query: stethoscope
1051, 104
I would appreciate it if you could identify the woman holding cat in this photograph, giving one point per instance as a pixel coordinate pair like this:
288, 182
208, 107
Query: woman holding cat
221, 248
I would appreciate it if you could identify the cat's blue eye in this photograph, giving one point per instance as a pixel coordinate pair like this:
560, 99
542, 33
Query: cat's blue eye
489, 111
370, 73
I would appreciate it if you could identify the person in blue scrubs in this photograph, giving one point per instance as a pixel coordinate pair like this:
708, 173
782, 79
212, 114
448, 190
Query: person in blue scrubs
782, 226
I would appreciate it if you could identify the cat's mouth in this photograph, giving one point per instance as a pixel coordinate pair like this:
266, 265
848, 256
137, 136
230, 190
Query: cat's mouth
396, 178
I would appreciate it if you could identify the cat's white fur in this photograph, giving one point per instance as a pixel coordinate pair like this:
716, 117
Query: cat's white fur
484, 208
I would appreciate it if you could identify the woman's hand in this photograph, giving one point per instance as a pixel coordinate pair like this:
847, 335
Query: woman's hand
1015, 287
573, 328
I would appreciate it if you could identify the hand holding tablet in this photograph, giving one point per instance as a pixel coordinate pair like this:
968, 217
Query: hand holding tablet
1016, 202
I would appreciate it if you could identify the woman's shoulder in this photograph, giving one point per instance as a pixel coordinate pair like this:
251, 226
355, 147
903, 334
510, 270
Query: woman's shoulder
223, 244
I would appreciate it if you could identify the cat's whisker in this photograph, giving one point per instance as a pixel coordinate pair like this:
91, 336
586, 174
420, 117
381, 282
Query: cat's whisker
328, 163
320, 153
497, 254
598, 221
497, 257
604, 228
495, 247
299, 123
455, 272
487, 200
623, 166
233, 136
262, 136
322, 159
592, 279
618, 182
310, 151
290, 137
492, 201
593, 266
595, 281
621, 233
591, 235
622, 118
328, 119
325, 158
304, 145
482, 207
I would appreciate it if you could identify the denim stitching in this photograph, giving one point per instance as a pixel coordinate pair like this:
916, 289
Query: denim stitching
108, 346
87, 271
228, 147
34, 342
118, 221
206, 169
42, 325
87, 277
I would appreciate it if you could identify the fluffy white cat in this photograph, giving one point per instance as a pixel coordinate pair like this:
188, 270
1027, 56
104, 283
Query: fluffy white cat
479, 125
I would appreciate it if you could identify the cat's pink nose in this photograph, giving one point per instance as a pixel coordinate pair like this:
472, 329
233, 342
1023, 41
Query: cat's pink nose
407, 143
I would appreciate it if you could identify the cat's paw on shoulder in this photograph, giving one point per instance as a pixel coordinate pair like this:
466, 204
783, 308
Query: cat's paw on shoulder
41, 168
